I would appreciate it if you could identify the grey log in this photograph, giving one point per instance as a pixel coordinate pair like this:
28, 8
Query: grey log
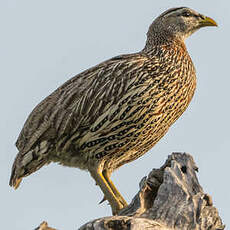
169, 198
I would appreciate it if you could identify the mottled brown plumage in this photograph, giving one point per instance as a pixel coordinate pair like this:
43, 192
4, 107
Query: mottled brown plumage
115, 112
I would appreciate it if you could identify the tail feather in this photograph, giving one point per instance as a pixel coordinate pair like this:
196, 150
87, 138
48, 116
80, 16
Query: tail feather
25, 164
15, 179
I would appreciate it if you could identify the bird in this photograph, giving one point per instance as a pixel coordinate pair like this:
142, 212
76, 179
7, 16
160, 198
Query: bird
115, 112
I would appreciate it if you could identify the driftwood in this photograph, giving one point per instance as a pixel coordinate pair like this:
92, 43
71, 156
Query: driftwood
169, 198
44, 226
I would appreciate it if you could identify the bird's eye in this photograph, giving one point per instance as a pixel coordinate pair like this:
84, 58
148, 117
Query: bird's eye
186, 14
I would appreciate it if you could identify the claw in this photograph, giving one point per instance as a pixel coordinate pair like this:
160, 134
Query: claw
104, 199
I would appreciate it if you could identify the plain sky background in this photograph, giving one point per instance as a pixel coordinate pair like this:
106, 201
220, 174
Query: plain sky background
45, 42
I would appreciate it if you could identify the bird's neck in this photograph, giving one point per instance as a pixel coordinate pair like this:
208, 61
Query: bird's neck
158, 43
159, 36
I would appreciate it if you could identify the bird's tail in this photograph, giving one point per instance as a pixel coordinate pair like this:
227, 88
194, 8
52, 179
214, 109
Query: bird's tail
24, 165
15, 179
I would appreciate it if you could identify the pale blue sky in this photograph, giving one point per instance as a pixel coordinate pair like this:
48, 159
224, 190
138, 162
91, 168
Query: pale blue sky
43, 43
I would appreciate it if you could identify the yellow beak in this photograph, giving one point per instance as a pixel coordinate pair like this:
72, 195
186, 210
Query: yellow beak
207, 21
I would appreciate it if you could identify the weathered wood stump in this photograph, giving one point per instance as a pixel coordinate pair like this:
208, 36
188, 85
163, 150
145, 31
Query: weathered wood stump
169, 198
44, 226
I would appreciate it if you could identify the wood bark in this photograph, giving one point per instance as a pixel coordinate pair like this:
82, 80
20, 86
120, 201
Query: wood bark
169, 198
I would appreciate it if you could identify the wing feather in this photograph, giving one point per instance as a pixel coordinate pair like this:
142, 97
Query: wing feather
80, 101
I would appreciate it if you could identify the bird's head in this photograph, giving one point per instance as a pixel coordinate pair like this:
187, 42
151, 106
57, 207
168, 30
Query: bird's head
178, 23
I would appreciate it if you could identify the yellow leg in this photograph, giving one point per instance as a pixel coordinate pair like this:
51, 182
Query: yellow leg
114, 189
115, 202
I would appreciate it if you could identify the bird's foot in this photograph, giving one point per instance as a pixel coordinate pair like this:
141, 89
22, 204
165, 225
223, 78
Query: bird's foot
103, 199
